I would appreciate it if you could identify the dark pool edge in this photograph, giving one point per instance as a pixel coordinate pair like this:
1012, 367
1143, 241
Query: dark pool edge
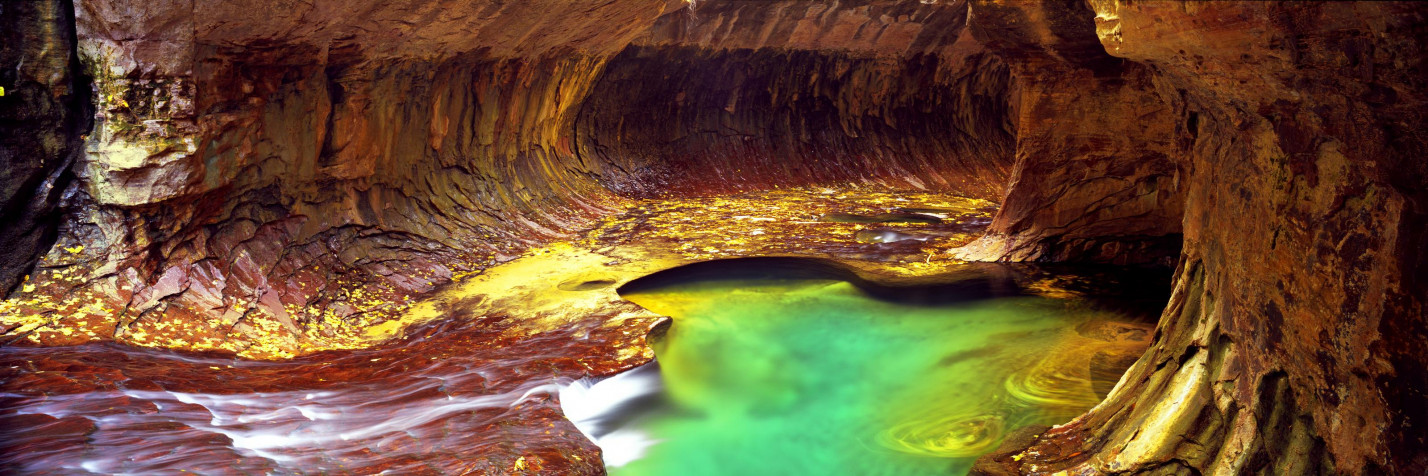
963, 283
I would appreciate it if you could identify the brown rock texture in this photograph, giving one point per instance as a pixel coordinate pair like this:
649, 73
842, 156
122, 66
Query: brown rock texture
43, 112
1095, 178
273, 179
270, 178
753, 119
754, 94
1290, 134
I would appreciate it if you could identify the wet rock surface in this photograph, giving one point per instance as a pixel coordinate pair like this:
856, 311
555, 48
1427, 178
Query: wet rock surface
1285, 132
273, 185
468, 384
274, 179
458, 397
44, 99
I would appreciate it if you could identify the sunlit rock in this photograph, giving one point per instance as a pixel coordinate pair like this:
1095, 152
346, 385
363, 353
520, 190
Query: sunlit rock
386, 185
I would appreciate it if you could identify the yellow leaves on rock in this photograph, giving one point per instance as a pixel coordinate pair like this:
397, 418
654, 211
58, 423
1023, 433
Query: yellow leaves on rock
648, 236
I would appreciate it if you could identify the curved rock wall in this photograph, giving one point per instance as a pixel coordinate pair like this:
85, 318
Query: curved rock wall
753, 94
1289, 132
275, 179
1097, 175
752, 119
271, 178
339, 199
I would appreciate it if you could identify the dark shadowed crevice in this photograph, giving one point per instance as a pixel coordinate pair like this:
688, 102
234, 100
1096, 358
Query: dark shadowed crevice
44, 114
691, 119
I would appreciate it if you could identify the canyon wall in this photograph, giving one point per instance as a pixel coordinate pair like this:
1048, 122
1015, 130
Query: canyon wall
1290, 134
44, 107
753, 94
272, 178
276, 178
1096, 177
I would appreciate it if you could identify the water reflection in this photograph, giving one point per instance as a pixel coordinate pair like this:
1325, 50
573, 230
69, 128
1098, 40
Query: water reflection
816, 376
472, 396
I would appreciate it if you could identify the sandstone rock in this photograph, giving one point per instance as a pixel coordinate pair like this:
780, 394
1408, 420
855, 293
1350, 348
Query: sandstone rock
260, 173
271, 179
43, 112
1286, 132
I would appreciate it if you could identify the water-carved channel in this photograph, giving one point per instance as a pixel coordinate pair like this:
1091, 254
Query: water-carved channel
788, 366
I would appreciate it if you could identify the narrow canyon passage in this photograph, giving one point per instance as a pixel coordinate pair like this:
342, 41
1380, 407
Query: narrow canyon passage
741, 236
473, 388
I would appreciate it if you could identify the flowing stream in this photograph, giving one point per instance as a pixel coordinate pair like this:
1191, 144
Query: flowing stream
454, 399
788, 376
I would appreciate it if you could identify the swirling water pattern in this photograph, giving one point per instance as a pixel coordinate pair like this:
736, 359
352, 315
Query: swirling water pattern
815, 377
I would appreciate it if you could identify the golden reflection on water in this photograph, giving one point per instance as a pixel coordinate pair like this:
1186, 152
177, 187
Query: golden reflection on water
1057, 387
946, 435
758, 372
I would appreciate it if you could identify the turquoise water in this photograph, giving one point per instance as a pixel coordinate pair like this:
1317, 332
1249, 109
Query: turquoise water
786, 377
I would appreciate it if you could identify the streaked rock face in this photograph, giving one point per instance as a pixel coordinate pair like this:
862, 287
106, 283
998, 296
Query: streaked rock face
275, 178
1286, 133
754, 94
741, 118
43, 112
260, 175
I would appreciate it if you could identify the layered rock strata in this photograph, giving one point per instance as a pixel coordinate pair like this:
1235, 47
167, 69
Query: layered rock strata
275, 181
750, 95
1289, 135
272, 179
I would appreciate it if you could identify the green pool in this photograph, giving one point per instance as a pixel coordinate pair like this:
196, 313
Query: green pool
816, 376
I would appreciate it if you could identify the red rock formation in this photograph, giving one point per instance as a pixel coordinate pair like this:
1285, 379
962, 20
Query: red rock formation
757, 94
260, 180
258, 170
1096, 178
1292, 343
255, 162
753, 119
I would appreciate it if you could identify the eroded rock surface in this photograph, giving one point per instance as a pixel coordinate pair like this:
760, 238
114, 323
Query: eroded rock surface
275, 178
1289, 132
271, 178
749, 95
1097, 177
43, 113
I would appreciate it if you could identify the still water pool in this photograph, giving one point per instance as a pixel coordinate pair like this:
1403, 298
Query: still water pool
818, 376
